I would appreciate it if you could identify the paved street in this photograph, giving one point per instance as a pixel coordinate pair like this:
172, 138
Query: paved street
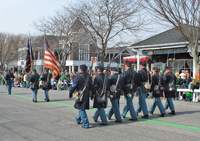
22, 120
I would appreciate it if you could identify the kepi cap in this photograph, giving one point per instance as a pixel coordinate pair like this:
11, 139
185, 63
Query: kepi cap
167, 67
128, 62
155, 68
83, 67
100, 67
114, 69
143, 63
47, 69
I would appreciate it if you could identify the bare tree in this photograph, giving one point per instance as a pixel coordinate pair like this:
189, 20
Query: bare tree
66, 34
8, 48
108, 20
185, 16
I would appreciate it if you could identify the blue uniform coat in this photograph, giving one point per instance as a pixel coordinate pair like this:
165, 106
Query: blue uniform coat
155, 78
78, 84
35, 79
44, 78
167, 78
113, 80
98, 83
127, 77
9, 75
143, 77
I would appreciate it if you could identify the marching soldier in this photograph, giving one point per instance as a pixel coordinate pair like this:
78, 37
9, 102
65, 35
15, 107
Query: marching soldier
116, 85
144, 76
82, 81
35, 81
46, 78
130, 79
101, 85
170, 90
157, 81
9, 78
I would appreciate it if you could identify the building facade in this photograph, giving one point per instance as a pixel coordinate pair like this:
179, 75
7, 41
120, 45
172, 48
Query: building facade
169, 48
80, 48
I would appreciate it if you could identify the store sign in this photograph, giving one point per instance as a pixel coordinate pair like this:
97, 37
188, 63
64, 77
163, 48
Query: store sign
166, 51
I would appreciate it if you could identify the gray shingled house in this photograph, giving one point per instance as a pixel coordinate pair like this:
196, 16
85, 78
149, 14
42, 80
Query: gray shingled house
167, 48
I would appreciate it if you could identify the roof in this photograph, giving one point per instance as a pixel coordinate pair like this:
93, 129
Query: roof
39, 41
119, 50
170, 36
76, 26
116, 49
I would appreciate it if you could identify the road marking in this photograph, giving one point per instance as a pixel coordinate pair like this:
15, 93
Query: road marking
140, 119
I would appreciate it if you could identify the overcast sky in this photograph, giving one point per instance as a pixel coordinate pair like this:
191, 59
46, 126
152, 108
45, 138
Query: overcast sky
16, 16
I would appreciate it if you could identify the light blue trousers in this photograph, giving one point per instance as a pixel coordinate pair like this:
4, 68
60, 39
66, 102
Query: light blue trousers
157, 102
129, 107
169, 103
114, 109
83, 116
142, 102
100, 112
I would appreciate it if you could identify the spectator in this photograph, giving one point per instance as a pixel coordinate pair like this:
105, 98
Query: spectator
27, 81
161, 70
179, 82
15, 79
195, 94
182, 75
188, 80
187, 71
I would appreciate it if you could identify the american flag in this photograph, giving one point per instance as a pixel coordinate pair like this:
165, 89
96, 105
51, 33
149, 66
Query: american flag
50, 60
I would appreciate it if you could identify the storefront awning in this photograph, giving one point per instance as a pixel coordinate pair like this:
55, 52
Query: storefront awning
135, 60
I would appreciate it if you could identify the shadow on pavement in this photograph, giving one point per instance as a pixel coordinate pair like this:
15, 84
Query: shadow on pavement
111, 123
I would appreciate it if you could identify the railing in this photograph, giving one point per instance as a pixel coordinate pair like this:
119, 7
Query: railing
188, 90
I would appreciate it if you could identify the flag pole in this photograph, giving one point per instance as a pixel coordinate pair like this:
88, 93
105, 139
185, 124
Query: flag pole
30, 50
44, 33
44, 49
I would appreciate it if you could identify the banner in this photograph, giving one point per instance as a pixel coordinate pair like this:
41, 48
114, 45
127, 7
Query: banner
165, 51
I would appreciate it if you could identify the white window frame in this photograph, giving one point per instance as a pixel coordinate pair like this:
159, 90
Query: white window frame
177, 60
85, 50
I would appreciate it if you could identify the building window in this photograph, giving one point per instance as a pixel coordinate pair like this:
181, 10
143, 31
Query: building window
22, 55
84, 52
36, 55
179, 65
41, 55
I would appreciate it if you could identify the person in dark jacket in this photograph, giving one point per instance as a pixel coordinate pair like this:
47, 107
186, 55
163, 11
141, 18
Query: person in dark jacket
130, 79
35, 80
9, 78
144, 76
187, 82
98, 87
179, 83
79, 84
46, 78
116, 86
168, 77
157, 80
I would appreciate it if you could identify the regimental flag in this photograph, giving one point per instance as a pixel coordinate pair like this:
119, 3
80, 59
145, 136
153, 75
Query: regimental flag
50, 60
29, 57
